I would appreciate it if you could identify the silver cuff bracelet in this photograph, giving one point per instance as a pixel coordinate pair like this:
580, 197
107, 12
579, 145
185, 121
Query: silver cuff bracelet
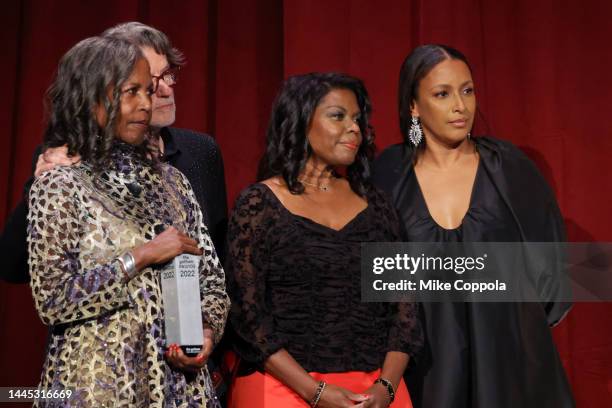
128, 265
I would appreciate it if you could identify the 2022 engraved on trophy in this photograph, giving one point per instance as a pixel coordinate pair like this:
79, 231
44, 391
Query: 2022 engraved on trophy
180, 281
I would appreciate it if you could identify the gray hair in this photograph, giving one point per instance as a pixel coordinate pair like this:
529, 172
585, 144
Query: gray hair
143, 35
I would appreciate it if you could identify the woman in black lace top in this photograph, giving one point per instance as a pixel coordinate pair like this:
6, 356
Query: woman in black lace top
294, 261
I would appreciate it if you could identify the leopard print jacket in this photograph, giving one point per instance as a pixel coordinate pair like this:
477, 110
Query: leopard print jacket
107, 340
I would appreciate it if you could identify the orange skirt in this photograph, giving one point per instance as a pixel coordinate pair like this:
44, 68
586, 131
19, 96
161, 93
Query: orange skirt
259, 390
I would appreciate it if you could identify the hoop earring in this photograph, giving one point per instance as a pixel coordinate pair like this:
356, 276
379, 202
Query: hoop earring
416, 131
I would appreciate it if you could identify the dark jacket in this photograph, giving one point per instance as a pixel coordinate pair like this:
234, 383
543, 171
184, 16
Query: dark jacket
520, 184
461, 365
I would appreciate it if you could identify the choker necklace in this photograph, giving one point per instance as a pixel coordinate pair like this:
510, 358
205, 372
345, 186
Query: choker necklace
317, 186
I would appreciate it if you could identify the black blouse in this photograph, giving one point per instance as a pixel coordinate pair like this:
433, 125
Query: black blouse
295, 284
487, 219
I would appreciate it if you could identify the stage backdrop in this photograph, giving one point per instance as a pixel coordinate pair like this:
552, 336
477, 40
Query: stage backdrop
541, 67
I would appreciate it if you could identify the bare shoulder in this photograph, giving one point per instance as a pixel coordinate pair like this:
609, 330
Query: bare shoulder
276, 184
279, 188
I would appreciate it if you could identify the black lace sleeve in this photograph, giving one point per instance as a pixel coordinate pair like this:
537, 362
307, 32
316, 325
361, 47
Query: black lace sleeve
249, 229
406, 331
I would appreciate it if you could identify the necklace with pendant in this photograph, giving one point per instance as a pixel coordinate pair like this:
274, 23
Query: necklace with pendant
317, 186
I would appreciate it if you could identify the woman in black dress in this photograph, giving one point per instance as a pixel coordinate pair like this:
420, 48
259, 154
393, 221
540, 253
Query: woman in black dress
451, 187
301, 330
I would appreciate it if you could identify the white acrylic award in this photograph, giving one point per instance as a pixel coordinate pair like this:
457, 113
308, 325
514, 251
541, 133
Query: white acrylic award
180, 281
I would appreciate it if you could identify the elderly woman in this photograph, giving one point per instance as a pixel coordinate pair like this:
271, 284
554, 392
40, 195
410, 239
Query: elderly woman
451, 187
301, 330
95, 240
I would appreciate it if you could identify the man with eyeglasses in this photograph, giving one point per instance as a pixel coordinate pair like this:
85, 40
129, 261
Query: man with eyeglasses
196, 155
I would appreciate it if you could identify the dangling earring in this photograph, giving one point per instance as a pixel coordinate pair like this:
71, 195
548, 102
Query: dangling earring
416, 132
469, 136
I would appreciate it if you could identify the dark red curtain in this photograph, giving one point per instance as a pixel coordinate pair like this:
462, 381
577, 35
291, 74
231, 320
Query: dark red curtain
542, 71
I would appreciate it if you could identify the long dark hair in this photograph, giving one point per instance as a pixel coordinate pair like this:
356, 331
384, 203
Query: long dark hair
415, 67
85, 75
287, 147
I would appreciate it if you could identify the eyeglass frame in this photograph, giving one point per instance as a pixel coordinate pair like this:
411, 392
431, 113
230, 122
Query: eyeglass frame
170, 71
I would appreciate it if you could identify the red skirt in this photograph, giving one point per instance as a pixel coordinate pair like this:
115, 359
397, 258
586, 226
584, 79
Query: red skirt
259, 390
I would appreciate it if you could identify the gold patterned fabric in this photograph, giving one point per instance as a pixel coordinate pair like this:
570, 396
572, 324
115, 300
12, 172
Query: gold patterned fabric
107, 340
